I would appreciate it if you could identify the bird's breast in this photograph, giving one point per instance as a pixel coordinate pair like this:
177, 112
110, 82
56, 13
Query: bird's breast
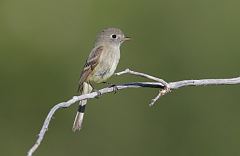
106, 66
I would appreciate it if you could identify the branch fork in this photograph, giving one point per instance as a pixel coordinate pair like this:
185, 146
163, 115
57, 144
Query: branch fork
162, 91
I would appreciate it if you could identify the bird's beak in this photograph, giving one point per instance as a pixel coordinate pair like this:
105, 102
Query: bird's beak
127, 38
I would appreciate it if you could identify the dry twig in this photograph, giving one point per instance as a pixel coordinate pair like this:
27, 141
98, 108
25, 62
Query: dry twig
162, 85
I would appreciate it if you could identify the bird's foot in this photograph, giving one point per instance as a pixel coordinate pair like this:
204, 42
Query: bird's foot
115, 88
111, 85
98, 93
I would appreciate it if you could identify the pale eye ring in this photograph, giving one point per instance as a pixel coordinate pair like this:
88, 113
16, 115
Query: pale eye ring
114, 36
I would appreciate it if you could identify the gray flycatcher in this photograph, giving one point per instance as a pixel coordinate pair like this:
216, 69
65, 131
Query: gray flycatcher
100, 65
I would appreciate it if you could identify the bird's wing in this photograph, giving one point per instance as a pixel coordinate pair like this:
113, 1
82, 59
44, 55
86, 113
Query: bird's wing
91, 63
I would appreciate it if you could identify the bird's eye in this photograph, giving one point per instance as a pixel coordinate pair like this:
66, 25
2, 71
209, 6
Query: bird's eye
114, 36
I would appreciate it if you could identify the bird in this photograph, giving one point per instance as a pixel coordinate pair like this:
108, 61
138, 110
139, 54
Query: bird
99, 67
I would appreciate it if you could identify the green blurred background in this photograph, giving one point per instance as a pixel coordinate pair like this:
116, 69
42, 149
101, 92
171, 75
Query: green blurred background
43, 46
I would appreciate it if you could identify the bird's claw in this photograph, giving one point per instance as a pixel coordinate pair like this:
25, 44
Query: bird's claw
98, 93
115, 88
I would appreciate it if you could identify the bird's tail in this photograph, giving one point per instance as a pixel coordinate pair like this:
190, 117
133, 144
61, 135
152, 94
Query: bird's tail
77, 125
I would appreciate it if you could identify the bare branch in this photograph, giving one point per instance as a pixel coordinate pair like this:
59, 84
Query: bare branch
161, 93
155, 99
86, 96
203, 82
128, 71
160, 84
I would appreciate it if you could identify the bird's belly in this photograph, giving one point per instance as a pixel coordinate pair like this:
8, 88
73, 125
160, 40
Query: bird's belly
104, 71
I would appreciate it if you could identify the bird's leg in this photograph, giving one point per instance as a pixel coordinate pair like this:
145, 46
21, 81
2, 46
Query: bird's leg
115, 89
95, 90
